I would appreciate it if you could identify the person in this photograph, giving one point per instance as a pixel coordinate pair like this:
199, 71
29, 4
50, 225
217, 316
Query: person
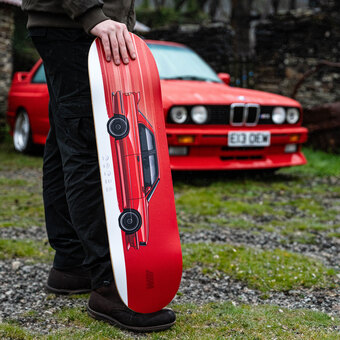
62, 32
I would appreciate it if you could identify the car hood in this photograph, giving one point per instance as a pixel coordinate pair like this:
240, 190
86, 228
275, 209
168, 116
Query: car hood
183, 92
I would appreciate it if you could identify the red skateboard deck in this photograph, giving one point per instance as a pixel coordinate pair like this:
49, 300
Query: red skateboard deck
136, 179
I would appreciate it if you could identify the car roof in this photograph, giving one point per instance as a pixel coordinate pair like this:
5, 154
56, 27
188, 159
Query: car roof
165, 43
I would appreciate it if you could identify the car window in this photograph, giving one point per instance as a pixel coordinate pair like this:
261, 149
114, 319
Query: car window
150, 140
150, 169
176, 62
39, 76
149, 155
147, 138
153, 168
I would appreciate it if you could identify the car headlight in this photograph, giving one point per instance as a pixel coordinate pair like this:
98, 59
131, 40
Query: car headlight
293, 115
279, 115
199, 114
179, 114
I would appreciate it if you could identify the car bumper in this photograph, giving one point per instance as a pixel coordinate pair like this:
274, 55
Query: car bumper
208, 149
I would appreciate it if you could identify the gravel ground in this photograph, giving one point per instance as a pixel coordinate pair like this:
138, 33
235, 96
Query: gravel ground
22, 282
22, 287
325, 249
22, 291
18, 233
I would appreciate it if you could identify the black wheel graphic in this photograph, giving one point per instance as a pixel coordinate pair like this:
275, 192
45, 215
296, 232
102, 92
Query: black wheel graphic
118, 126
130, 221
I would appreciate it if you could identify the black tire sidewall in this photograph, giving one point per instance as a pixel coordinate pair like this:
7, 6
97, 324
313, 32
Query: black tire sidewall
115, 119
138, 221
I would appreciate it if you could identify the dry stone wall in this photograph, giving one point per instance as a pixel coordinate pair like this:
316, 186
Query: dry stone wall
288, 46
6, 32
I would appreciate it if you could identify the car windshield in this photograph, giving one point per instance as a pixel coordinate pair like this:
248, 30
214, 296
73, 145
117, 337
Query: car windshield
39, 76
176, 62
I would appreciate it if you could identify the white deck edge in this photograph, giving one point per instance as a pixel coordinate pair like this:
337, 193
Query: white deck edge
106, 171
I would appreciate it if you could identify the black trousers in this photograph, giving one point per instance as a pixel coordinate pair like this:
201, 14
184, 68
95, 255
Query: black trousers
74, 209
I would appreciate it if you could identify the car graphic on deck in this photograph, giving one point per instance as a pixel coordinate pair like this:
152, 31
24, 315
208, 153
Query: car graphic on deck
135, 164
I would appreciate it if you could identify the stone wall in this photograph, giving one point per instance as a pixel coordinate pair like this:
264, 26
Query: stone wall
288, 46
212, 42
6, 32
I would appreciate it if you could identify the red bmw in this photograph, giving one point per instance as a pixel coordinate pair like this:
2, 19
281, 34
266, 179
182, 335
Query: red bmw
210, 125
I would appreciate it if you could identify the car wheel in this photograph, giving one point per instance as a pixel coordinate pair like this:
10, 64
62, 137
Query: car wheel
118, 126
130, 221
22, 134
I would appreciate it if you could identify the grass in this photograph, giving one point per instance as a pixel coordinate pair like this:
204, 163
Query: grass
21, 203
265, 270
319, 164
28, 249
10, 159
14, 332
21, 197
209, 321
298, 202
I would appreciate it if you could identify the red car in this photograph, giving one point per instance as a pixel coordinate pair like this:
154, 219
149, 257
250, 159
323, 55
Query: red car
135, 167
210, 125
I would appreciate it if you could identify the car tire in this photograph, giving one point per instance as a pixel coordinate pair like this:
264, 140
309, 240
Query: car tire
118, 126
22, 133
130, 221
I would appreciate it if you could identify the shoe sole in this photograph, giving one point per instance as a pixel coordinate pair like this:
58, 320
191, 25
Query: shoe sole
103, 317
66, 291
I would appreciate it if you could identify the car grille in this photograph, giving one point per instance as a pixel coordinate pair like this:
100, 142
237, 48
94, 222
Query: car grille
240, 114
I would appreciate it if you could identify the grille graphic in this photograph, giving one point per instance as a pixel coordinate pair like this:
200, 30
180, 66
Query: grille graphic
244, 114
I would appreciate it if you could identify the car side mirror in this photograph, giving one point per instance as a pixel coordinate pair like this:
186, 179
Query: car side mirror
225, 77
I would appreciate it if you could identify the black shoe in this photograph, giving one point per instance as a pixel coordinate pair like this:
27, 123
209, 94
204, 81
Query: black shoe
77, 281
105, 304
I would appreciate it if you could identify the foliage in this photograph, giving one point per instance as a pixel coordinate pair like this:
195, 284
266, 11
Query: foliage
162, 15
24, 53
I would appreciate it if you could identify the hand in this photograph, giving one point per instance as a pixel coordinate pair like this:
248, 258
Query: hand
116, 41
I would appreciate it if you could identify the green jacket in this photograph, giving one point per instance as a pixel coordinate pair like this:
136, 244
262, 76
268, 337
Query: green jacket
78, 13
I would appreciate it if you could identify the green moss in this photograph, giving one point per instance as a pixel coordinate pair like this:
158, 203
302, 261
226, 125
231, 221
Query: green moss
337, 235
14, 332
264, 270
21, 202
35, 250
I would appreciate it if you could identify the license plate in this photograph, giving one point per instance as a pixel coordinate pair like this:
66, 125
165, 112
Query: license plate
249, 138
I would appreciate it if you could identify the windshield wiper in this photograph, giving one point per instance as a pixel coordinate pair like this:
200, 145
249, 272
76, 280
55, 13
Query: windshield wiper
188, 77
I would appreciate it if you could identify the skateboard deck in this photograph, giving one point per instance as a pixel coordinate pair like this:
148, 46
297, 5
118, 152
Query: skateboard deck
136, 179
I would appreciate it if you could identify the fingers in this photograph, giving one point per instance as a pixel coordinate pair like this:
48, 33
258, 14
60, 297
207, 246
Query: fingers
114, 48
122, 48
107, 46
116, 41
129, 44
